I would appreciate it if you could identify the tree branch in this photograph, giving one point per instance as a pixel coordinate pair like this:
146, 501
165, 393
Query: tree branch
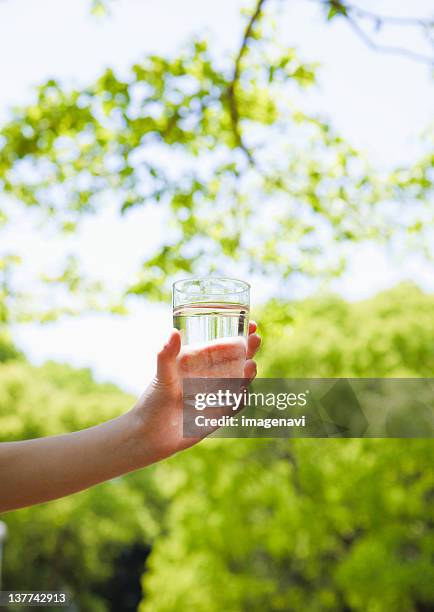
353, 14
390, 19
232, 96
390, 49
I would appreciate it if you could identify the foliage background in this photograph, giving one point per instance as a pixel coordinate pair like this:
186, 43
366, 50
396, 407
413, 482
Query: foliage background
232, 524
243, 524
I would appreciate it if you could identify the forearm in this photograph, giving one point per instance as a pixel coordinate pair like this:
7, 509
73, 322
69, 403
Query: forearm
34, 471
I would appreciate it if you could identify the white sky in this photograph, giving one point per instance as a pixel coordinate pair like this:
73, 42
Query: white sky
380, 103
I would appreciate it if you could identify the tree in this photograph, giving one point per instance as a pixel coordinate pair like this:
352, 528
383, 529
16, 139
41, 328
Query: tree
390, 335
244, 524
237, 525
218, 146
308, 524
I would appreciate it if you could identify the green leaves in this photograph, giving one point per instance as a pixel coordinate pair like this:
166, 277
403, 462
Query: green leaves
269, 186
307, 524
100, 8
302, 524
335, 8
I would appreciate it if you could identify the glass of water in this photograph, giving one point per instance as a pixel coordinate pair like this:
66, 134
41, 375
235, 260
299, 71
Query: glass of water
205, 309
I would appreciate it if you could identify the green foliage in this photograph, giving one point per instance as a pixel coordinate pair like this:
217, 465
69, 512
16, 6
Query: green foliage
308, 524
238, 172
100, 8
246, 524
7, 349
303, 525
335, 8
72, 542
237, 524
391, 335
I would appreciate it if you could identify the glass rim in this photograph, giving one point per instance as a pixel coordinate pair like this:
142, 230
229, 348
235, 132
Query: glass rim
246, 285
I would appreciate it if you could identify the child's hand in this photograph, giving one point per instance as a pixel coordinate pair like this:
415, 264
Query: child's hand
160, 408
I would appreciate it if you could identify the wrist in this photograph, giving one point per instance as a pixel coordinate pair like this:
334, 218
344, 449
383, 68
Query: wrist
141, 447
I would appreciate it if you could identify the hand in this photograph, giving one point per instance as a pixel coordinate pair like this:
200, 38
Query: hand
160, 408
35, 471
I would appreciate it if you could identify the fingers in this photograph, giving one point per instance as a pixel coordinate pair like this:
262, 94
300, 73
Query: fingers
223, 358
253, 340
253, 344
166, 360
250, 369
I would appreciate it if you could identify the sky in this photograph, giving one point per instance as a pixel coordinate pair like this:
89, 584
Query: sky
381, 103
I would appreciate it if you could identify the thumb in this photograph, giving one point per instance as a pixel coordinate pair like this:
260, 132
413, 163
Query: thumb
166, 359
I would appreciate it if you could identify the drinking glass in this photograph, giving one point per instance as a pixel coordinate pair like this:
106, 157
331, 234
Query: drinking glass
208, 308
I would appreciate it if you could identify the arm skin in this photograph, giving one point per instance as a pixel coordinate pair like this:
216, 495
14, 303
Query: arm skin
35, 471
